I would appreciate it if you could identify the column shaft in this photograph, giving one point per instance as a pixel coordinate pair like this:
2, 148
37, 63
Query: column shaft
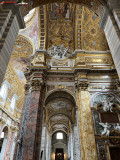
88, 146
32, 139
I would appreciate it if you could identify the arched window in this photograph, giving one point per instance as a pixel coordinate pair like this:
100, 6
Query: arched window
13, 102
4, 91
59, 135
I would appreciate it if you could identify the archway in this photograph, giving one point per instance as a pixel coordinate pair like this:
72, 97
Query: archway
3, 142
60, 118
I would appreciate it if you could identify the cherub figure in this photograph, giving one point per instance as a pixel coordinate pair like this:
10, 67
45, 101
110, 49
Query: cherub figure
106, 130
117, 127
107, 104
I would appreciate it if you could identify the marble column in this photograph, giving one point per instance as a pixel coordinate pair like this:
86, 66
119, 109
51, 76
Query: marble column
110, 22
22, 125
32, 138
11, 20
76, 129
71, 145
87, 138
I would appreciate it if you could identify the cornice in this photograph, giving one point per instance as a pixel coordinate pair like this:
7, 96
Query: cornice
46, 72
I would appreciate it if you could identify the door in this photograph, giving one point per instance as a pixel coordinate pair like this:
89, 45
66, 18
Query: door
59, 154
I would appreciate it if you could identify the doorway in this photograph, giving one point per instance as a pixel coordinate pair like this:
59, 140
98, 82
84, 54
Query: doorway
59, 154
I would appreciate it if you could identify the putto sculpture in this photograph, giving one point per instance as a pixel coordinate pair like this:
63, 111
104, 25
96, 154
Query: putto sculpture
59, 52
106, 130
107, 104
117, 127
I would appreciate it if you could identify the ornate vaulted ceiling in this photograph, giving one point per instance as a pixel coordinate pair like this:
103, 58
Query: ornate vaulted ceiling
60, 24
73, 26
94, 4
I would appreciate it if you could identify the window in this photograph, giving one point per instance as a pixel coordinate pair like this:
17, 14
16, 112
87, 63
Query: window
59, 135
13, 102
4, 91
2, 135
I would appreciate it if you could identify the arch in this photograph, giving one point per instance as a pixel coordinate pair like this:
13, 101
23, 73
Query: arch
58, 124
60, 90
23, 39
4, 139
82, 2
101, 93
61, 113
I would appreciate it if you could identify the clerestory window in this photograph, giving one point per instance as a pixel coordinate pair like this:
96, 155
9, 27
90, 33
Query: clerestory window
4, 91
59, 135
13, 102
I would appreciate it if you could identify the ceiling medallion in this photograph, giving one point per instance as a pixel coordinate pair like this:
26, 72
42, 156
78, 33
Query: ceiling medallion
59, 52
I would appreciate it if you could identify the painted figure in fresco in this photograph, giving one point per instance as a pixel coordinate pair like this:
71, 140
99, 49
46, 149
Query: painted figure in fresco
106, 130
61, 9
117, 127
107, 104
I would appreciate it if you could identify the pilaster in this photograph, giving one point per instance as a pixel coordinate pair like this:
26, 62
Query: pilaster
33, 131
87, 138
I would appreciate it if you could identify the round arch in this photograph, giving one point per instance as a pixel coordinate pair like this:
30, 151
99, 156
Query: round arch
60, 113
105, 93
58, 124
65, 92
22, 41
87, 3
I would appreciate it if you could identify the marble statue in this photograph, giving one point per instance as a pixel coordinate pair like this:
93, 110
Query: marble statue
59, 52
107, 105
117, 127
106, 130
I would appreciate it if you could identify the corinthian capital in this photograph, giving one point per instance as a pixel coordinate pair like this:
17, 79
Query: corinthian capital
82, 85
26, 87
36, 84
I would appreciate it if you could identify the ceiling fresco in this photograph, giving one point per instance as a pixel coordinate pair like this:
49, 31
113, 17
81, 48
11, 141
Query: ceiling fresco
59, 117
60, 103
60, 10
32, 31
19, 64
60, 25
92, 4
20, 58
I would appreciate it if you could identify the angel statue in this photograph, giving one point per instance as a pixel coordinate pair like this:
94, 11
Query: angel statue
117, 127
106, 130
107, 104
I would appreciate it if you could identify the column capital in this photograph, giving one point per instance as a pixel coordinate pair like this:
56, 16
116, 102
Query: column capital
27, 87
36, 84
82, 85
118, 83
